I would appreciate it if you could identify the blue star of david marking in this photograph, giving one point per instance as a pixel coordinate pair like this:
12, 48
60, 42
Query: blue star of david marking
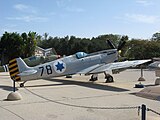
59, 66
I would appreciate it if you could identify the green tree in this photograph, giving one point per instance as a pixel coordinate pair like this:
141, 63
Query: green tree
11, 45
137, 49
152, 49
143, 49
156, 36
45, 36
29, 44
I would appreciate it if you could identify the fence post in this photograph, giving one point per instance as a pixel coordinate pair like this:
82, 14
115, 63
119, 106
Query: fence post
143, 112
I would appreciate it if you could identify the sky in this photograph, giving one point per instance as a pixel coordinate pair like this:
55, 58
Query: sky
138, 19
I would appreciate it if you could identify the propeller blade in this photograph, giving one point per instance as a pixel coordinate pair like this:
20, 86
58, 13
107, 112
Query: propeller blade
111, 44
121, 44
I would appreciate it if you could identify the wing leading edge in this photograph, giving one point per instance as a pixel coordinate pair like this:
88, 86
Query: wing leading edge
112, 66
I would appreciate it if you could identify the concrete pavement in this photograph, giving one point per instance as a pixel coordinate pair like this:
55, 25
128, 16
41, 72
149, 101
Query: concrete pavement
77, 99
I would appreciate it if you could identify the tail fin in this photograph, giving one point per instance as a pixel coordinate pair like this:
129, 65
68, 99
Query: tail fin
16, 66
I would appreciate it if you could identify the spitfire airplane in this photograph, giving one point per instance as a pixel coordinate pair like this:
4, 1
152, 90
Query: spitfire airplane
79, 63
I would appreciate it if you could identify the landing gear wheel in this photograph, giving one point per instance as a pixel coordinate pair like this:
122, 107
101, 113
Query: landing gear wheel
109, 79
21, 84
94, 78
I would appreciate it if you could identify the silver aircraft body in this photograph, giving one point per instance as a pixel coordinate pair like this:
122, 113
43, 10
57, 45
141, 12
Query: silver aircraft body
155, 65
79, 63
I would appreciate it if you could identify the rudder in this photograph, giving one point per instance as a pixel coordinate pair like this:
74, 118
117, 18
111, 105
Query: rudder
13, 70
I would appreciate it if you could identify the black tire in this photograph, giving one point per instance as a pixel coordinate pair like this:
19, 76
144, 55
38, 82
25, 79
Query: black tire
21, 84
109, 79
93, 78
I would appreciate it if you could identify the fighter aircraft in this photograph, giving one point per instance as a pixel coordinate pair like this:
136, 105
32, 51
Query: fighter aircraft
79, 63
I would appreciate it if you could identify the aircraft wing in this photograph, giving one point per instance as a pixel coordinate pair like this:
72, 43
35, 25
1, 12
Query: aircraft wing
27, 73
117, 65
89, 69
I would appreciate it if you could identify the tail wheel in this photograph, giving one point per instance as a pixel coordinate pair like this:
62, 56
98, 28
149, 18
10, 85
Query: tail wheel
21, 85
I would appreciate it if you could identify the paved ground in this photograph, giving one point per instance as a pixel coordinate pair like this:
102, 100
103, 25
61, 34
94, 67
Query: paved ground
77, 99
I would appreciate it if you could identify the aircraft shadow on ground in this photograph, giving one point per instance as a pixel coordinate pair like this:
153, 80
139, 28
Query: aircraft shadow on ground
7, 88
150, 85
84, 84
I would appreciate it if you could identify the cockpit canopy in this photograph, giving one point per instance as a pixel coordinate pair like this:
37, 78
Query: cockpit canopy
80, 55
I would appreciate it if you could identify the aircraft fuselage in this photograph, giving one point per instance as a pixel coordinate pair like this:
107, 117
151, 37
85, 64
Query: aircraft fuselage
72, 64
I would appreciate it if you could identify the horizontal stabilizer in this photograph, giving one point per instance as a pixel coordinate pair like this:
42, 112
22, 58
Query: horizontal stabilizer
27, 73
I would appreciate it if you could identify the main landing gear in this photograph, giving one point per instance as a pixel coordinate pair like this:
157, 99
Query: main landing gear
94, 77
108, 77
